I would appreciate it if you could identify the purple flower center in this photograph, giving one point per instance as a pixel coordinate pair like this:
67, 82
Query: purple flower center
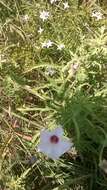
54, 139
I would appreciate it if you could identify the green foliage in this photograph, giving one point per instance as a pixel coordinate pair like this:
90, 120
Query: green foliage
43, 87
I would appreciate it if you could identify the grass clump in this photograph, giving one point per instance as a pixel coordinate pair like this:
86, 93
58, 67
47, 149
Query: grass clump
53, 72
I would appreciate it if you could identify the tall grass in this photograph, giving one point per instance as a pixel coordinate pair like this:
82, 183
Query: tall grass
43, 87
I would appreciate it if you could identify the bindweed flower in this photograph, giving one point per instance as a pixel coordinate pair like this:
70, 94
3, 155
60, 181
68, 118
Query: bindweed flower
40, 30
47, 44
97, 15
44, 15
52, 144
50, 71
66, 6
60, 46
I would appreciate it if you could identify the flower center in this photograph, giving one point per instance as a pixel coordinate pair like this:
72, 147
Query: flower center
54, 139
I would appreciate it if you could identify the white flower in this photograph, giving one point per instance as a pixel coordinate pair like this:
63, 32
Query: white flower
25, 18
53, 1
52, 144
40, 30
44, 15
66, 6
50, 71
60, 46
47, 44
97, 15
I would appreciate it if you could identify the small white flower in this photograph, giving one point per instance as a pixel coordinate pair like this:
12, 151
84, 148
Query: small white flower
60, 46
44, 15
50, 71
97, 15
66, 6
53, 1
47, 44
25, 18
52, 144
40, 30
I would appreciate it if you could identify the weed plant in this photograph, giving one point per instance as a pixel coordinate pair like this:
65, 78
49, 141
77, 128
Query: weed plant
42, 87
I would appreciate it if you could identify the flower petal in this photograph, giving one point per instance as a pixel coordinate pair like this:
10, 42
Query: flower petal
49, 150
62, 147
45, 148
58, 131
45, 136
53, 153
